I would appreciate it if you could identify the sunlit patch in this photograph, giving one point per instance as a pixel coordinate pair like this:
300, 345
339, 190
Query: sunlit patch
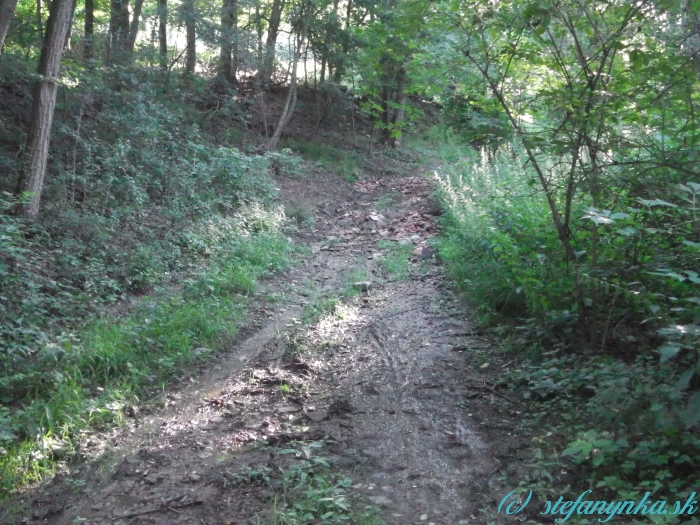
334, 327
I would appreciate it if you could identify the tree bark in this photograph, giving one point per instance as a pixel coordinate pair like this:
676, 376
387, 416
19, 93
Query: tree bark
190, 27
7, 11
66, 44
400, 110
163, 32
228, 58
31, 178
134, 27
118, 29
291, 101
39, 21
271, 43
89, 29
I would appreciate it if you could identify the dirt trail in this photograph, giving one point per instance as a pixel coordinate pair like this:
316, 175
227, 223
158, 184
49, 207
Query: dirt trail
396, 385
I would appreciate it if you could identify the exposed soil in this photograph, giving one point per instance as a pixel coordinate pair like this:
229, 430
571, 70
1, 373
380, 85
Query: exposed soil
398, 385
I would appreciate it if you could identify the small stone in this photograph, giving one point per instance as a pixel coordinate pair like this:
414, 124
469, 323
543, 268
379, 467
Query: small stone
363, 285
381, 500
423, 517
316, 417
194, 477
151, 479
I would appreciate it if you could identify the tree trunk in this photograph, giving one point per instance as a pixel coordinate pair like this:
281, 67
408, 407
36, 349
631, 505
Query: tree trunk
191, 55
39, 21
134, 27
291, 101
387, 114
163, 32
118, 30
66, 44
272, 33
89, 29
228, 58
400, 111
31, 178
7, 11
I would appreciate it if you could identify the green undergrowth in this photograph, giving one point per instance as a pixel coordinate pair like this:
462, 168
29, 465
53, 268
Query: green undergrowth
311, 491
614, 408
82, 380
347, 164
394, 264
157, 221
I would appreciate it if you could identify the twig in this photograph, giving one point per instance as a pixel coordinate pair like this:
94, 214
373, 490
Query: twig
163, 506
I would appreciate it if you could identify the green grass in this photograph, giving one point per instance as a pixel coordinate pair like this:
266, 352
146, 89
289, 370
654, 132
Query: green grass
387, 201
318, 309
311, 492
395, 263
82, 381
301, 216
344, 163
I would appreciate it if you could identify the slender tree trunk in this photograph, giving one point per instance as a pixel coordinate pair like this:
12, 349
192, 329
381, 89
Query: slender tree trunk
163, 33
89, 29
400, 110
39, 21
235, 46
323, 69
387, 114
260, 30
66, 44
134, 27
190, 27
31, 178
228, 58
7, 11
291, 101
270, 45
118, 30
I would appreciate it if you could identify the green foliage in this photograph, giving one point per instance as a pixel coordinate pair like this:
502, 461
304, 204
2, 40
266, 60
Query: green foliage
322, 307
394, 263
340, 162
478, 122
620, 428
312, 493
138, 197
84, 379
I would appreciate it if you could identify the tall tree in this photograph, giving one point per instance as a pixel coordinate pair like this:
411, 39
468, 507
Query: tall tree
118, 29
39, 20
291, 100
228, 59
74, 4
191, 36
163, 33
134, 27
89, 29
31, 178
7, 10
273, 29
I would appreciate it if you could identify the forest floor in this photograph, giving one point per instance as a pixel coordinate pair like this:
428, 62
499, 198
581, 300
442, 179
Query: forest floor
361, 357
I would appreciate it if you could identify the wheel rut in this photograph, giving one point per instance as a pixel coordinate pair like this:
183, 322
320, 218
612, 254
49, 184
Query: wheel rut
383, 383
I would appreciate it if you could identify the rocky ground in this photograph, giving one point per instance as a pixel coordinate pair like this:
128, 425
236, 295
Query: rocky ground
359, 386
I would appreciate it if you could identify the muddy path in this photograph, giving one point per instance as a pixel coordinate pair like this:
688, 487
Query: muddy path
370, 360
